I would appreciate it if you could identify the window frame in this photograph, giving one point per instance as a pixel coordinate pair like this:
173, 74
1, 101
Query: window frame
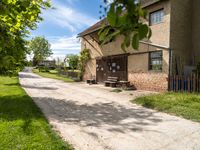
150, 21
158, 58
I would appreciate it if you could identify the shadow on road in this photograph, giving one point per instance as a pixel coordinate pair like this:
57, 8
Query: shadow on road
117, 117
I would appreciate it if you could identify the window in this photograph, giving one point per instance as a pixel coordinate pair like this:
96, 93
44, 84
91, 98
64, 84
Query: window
155, 60
156, 17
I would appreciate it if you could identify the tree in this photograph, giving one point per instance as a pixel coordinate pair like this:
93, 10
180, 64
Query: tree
83, 59
40, 48
73, 61
16, 19
126, 18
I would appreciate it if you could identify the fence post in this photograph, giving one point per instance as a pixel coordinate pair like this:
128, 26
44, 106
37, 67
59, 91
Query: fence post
171, 83
194, 83
198, 84
197, 80
182, 83
188, 81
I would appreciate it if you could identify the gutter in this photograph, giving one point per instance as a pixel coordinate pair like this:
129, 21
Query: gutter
156, 45
170, 68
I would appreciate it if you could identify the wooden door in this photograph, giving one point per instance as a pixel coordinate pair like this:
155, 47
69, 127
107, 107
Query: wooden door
115, 66
101, 70
118, 67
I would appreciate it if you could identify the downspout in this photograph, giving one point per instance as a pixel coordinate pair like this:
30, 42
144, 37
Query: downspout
170, 67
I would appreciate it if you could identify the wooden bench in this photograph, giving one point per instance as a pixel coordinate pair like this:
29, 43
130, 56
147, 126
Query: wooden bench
111, 81
124, 84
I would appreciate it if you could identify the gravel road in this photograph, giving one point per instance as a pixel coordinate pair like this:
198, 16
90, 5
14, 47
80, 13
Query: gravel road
93, 118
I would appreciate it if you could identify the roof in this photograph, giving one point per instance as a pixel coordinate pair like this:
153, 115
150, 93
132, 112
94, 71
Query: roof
146, 3
97, 26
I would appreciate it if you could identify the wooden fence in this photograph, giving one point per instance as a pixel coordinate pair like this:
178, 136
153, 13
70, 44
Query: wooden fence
185, 84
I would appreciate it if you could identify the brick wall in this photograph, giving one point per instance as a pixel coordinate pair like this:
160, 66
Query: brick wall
149, 81
144, 79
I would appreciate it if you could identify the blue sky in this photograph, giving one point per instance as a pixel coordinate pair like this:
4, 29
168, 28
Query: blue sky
62, 24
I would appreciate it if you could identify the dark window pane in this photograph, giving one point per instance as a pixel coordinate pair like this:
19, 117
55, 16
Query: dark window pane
156, 54
155, 60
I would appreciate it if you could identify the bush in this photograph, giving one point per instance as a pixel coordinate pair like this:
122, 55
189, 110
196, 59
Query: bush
43, 69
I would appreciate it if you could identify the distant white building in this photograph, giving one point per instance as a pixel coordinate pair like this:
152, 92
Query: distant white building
47, 63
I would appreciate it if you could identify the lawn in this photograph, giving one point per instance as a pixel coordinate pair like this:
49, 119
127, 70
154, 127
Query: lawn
53, 74
185, 105
22, 124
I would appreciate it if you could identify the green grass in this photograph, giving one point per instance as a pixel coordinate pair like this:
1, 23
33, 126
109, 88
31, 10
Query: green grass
22, 124
53, 74
180, 104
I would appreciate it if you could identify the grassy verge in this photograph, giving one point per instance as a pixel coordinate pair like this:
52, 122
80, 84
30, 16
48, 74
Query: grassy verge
179, 104
52, 74
22, 124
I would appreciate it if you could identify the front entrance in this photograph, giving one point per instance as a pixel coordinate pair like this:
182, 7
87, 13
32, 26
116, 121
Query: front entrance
115, 66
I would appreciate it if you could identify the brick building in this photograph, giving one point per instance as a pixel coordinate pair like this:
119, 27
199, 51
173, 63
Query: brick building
175, 32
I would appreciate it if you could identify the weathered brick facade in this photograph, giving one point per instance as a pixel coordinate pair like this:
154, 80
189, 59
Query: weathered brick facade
149, 81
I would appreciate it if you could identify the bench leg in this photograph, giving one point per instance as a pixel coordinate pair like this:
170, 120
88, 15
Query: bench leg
113, 84
107, 84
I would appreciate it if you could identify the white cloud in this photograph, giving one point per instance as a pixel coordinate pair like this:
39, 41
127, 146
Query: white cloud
72, 1
109, 1
68, 17
65, 43
62, 45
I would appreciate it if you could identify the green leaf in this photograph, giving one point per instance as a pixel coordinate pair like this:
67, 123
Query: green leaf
115, 33
123, 47
143, 31
127, 40
150, 33
141, 12
111, 36
122, 20
112, 17
126, 16
103, 33
135, 41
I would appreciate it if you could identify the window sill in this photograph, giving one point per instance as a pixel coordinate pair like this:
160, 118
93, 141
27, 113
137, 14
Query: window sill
155, 71
156, 24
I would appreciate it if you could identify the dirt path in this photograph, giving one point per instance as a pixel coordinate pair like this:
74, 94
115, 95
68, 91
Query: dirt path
93, 118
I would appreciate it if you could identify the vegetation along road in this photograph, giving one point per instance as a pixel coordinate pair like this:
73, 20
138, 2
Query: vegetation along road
22, 124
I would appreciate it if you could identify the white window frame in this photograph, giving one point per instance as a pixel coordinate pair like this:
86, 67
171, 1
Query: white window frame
156, 17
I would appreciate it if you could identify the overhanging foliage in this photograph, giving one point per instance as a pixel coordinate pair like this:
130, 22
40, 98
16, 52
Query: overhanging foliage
126, 18
17, 17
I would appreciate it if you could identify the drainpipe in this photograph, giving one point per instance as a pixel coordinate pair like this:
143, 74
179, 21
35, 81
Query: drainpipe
170, 67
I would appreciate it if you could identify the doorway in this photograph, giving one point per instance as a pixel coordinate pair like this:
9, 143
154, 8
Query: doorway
115, 66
